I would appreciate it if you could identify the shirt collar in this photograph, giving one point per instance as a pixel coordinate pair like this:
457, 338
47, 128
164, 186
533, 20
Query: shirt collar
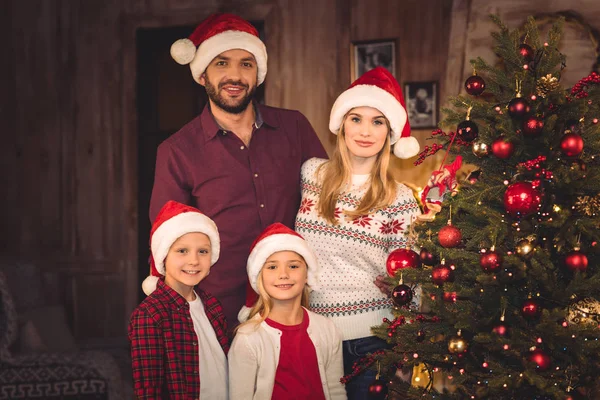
264, 116
171, 295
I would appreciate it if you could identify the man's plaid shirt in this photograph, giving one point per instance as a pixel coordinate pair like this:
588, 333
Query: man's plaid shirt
164, 345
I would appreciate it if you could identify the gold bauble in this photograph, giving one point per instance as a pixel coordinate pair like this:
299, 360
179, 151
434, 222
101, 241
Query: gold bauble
457, 344
586, 311
480, 149
524, 249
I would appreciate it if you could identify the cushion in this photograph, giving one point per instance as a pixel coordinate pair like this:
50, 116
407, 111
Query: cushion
45, 329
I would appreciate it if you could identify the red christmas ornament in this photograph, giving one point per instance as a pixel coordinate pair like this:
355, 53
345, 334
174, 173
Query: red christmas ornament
501, 329
402, 295
427, 257
400, 259
533, 126
502, 148
540, 358
576, 261
450, 297
467, 131
571, 144
449, 236
441, 274
378, 390
490, 261
518, 107
531, 309
475, 85
522, 199
526, 52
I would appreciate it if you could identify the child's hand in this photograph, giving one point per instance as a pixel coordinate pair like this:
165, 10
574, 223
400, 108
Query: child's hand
385, 287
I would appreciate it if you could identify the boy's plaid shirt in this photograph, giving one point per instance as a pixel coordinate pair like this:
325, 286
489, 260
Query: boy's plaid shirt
164, 345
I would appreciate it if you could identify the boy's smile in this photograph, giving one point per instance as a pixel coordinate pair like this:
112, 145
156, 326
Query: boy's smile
188, 261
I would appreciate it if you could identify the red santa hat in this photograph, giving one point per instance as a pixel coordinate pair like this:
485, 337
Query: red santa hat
173, 221
276, 237
214, 35
378, 89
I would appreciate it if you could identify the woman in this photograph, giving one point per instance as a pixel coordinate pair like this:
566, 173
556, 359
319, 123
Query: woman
353, 213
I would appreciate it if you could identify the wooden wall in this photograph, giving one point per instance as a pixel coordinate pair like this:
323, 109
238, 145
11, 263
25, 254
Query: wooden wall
68, 106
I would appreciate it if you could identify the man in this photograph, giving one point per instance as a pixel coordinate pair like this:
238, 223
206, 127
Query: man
238, 161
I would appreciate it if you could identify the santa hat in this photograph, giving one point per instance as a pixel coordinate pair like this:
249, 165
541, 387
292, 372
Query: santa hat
214, 35
173, 221
276, 237
379, 89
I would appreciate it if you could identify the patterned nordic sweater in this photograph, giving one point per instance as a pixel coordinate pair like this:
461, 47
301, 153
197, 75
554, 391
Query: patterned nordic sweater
352, 253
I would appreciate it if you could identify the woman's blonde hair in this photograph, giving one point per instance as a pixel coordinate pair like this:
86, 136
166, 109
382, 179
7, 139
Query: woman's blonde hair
336, 175
264, 303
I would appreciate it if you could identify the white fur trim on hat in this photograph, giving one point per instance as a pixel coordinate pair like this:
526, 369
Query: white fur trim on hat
281, 242
172, 229
229, 40
369, 96
244, 313
406, 147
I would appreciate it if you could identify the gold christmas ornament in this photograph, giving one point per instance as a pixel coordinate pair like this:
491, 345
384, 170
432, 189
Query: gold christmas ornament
586, 311
457, 344
546, 84
480, 149
524, 249
588, 205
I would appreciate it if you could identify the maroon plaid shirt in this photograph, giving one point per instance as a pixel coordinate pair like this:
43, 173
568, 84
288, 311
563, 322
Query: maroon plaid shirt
164, 345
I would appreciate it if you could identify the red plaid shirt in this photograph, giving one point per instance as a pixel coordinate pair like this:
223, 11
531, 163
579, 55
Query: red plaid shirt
164, 345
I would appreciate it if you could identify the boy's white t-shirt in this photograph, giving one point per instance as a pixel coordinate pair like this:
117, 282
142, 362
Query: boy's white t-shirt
213, 363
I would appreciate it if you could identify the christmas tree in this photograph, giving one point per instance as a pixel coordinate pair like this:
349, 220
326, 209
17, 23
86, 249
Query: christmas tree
509, 265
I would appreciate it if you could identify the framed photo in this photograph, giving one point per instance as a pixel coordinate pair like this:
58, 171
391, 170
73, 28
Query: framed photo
368, 55
422, 104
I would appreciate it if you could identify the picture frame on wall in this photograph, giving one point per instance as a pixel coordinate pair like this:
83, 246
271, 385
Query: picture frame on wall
422, 104
367, 55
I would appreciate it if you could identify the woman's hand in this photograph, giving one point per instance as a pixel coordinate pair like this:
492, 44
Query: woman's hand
385, 287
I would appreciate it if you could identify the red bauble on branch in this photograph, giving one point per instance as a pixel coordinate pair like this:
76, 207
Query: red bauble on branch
467, 131
402, 295
532, 126
449, 236
531, 309
518, 107
522, 199
428, 258
378, 390
576, 261
502, 148
442, 273
540, 358
571, 144
400, 259
475, 85
526, 52
490, 261
501, 329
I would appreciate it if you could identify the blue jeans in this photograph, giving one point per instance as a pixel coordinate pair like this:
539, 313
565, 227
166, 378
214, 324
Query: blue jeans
354, 350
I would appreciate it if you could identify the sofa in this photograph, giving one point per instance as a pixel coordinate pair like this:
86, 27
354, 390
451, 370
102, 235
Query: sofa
39, 358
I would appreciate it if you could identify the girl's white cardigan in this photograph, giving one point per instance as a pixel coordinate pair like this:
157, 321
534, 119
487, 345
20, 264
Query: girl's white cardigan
254, 356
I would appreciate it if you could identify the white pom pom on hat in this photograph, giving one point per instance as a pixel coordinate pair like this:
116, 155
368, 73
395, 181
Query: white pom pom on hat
213, 36
276, 237
377, 88
173, 221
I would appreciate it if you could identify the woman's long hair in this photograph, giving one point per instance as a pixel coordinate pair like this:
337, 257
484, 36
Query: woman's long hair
335, 176
264, 304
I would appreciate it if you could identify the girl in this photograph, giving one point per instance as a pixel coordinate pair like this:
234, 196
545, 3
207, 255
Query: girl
179, 335
353, 213
284, 351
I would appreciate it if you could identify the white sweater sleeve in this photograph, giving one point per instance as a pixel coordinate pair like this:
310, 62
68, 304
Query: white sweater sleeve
243, 368
335, 367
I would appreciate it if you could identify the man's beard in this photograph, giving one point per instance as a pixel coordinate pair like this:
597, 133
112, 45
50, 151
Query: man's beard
219, 101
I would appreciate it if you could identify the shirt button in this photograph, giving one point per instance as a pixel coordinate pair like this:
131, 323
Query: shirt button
224, 133
195, 344
242, 147
262, 206
256, 175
